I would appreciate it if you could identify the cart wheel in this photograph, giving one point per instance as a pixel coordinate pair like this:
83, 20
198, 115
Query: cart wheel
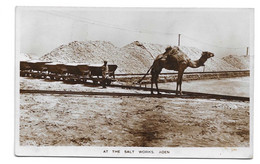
95, 82
22, 74
57, 78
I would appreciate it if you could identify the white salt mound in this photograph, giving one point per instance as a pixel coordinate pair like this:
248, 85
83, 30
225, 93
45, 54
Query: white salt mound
24, 57
135, 57
94, 52
240, 62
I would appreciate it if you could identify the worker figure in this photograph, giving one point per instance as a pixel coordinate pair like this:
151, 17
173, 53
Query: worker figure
105, 74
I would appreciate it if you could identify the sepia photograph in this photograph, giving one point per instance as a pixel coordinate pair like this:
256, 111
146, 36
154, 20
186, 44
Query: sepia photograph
134, 82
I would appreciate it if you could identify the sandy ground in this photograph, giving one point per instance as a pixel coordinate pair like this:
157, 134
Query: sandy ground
226, 86
128, 121
41, 84
51, 120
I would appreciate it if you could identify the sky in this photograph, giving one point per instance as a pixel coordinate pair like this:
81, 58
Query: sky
221, 31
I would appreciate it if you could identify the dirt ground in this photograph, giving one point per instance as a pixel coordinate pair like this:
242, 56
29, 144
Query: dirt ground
69, 120
239, 86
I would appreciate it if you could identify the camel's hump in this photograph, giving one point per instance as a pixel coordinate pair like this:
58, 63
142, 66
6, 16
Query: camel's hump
179, 56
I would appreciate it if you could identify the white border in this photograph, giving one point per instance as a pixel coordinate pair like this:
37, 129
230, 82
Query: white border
82, 151
7, 41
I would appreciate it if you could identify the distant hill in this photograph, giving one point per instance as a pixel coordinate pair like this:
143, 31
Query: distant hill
135, 57
240, 62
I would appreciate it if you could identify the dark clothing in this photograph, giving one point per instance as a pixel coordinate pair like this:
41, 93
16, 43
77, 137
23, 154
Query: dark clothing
104, 75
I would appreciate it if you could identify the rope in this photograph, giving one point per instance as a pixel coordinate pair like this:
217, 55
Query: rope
99, 23
143, 47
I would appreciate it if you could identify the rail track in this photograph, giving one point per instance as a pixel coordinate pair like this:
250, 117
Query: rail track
166, 93
175, 73
171, 77
100, 93
188, 94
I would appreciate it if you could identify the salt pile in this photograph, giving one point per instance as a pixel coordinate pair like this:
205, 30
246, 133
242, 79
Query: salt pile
94, 52
135, 57
24, 57
147, 52
144, 53
240, 62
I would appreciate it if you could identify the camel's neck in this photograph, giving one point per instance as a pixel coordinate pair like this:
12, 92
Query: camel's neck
197, 63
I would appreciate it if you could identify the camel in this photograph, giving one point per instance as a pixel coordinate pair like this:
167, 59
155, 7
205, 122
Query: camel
174, 59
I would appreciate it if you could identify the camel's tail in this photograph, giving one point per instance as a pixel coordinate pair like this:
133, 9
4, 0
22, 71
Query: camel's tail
139, 81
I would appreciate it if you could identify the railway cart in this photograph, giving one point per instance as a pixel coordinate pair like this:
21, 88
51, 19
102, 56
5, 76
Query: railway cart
96, 74
76, 72
24, 68
37, 68
84, 71
71, 72
56, 71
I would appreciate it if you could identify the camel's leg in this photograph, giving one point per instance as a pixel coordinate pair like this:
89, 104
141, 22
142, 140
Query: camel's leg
152, 83
156, 83
180, 85
156, 70
180, 80
180, 89
177, 85
180, 73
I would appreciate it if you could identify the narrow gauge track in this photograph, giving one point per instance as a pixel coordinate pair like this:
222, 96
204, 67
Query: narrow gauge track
175, 73
102, 93
189, 94
166, 93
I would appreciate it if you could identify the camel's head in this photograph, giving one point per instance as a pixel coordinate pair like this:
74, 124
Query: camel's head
204, 57
207, 54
